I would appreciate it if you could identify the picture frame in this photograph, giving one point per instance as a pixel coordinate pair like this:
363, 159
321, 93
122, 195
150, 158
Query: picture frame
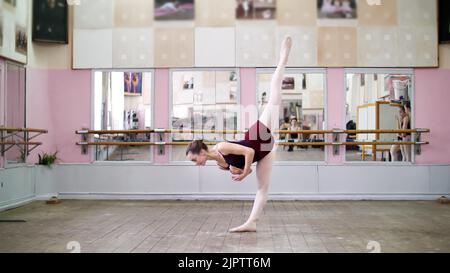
174, 10
21, 40
50, 21
337, 9
256, 9
288, 83
1, 30
132, 83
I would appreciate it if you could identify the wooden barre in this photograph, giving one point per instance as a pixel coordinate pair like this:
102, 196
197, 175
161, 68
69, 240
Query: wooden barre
18, 130
311, 132
112, 132
304, 143
387, 131
281, 132
277, 143
20, 143
205, 132
153, 131
384, 143
136, 143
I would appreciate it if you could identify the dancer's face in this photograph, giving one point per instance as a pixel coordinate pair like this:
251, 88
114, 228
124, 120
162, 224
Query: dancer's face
199, 159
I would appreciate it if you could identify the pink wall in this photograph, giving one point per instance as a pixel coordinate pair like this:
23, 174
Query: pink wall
336, 112
248, 93
60, 100
2, 122
161, 112
39, 109
432, 99
15, 107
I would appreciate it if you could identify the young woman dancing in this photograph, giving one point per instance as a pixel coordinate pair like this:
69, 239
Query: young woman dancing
257, 146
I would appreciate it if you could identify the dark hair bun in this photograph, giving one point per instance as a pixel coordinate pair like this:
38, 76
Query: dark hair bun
195, 147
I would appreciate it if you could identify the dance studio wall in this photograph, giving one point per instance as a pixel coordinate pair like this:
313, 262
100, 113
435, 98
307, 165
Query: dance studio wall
13, 21
59, 99
2, 103
62, 99
398, 33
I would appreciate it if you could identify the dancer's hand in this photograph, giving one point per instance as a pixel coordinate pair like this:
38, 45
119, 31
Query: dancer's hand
242, 176
237, 171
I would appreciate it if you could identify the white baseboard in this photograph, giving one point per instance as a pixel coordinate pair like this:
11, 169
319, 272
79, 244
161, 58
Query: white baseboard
45, 197
11, 204
274, 197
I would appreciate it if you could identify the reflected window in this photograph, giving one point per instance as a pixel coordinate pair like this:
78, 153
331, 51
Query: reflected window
15, 109
379, 101
203, 100
122, 101
303, 108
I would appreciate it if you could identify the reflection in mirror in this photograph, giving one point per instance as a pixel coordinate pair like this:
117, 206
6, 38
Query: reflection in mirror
122, 101
203, 100
378, 102
15, 110
303, 101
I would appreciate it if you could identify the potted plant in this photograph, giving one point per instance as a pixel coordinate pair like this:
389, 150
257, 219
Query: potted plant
45, 178
48, 159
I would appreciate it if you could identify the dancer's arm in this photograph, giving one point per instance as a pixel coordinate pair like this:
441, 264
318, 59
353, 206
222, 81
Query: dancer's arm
235, 149
237, 171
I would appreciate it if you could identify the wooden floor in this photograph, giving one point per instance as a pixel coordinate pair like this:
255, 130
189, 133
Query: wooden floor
189, 226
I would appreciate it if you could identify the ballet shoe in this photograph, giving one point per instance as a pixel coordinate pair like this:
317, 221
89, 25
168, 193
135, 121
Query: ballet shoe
286, 49
247, 227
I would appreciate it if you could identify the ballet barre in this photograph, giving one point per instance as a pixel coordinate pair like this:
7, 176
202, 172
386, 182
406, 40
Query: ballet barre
19, 137
336, 135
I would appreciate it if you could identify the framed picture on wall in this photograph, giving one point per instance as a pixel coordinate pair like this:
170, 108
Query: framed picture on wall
256, 9
337, 9
21, 40
288, 83
1, 30
174, 10
132, 84
50, 21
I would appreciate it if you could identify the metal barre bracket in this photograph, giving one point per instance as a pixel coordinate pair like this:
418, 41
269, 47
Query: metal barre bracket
84, 141
337, 141
418, 141
160, 143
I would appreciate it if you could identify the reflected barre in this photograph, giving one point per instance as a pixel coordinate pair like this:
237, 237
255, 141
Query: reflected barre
21, 130
21, 138
336, 135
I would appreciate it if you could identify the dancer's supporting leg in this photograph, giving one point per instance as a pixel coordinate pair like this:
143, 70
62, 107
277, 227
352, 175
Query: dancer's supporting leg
264, 166
263, 173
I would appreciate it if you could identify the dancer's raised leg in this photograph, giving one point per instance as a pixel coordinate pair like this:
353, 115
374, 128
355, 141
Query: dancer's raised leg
269, 116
